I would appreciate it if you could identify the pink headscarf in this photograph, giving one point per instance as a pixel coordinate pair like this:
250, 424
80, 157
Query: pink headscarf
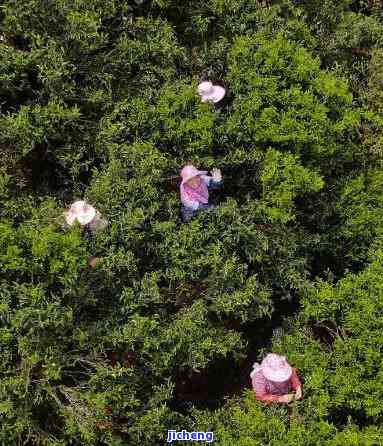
188, 193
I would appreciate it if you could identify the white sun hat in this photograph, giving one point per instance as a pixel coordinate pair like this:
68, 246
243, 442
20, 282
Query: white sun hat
276, 368
189, 171
210, 92
81, 211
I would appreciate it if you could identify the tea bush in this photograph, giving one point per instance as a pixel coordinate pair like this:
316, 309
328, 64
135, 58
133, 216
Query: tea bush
335, 345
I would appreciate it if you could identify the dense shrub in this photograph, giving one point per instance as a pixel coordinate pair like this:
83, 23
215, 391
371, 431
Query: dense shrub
336, 346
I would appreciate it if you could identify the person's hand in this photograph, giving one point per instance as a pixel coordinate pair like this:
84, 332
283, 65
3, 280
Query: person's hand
93, 261
298, 393
287, 398
216, 175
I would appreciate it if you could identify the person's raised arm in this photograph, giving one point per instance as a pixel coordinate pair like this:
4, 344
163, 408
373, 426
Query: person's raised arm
215, 180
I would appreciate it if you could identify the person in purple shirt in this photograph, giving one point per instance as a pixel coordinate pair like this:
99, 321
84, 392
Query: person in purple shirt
274, 380
194, 190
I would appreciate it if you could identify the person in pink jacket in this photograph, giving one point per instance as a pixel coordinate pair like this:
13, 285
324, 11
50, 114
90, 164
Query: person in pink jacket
194, 190
274, 380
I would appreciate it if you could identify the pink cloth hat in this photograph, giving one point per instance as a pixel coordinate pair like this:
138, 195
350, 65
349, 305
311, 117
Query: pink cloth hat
189, 171
210, 92
276, 368
81, 211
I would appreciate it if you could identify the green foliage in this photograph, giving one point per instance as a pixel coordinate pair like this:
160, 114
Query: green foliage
375, 80
33, 126
282, 98
283, 179
361, 209
333, 344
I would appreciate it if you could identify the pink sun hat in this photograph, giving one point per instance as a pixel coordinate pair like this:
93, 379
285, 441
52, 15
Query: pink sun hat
81, 211
276, 368
210, 92
189, 171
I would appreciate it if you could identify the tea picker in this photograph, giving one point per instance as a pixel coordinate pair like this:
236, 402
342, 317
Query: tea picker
194, 190
274, 380
211, 93
86, 215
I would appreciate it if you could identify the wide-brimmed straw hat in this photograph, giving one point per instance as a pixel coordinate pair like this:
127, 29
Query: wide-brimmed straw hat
81, 211
210, 92
276, 368
189, 171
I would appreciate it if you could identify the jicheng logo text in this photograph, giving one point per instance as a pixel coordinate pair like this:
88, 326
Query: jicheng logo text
185, 435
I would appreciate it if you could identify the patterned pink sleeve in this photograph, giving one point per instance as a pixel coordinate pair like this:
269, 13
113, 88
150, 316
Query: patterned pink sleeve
295, 381
259, 386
